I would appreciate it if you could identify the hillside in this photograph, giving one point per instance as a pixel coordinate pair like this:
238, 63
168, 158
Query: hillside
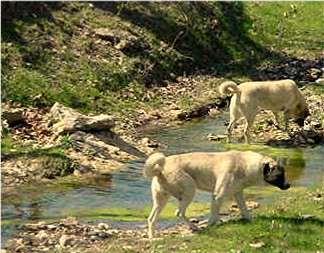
92, 55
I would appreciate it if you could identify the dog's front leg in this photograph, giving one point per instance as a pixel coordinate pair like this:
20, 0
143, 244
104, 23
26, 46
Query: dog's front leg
240, 200
218, 198
276, 119
286, 120
216, 203
224, 182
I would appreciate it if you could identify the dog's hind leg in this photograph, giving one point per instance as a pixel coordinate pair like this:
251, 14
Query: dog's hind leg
240, 200
235, 115
159, 201
230, 129
181, 213
247, 135
248, 124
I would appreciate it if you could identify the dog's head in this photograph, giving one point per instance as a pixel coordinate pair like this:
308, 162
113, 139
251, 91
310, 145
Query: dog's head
274, 173
302, 116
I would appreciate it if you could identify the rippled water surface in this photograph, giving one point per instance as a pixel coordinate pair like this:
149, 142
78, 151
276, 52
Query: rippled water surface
127, 187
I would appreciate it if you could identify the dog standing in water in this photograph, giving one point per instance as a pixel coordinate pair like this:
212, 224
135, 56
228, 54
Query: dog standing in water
276, 96
221, 173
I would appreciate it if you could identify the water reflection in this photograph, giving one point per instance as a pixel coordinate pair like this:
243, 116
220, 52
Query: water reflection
41, 201
294, 164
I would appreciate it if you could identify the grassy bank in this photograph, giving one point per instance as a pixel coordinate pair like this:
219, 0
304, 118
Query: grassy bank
294, 222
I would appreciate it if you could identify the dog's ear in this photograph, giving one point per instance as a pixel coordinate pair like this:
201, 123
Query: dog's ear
266, 168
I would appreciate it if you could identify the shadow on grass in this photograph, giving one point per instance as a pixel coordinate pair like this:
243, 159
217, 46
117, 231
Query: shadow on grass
212, 36
299, 220
48, 152
273, 219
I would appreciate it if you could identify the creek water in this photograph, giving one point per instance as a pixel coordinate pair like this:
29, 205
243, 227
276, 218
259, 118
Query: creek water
127, 188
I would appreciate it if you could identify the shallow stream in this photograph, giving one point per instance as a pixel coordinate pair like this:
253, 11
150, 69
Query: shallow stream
127, 188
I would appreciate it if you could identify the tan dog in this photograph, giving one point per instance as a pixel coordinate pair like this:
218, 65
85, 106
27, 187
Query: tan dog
221, 173
276, 96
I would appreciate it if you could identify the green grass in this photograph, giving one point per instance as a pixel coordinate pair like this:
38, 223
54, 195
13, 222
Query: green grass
53, 55
295, 28
135, 214
294, 222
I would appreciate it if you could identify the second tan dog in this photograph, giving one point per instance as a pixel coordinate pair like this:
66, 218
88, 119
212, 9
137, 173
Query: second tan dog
249, 97
221, 173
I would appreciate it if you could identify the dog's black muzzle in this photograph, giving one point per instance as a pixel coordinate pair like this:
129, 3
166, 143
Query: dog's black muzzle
284, 187
300, 122
275, 175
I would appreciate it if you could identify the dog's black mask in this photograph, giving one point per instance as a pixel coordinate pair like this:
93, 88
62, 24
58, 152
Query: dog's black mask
300, 122
275, 175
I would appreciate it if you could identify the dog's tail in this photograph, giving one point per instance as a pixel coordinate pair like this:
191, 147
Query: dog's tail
153, 165
228, 88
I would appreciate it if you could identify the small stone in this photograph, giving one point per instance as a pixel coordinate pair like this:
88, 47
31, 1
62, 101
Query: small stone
65, 241
216, 137
213, 112
127, 248
93, 233
19, 249
103, 226
26, 240
306, 216
194, 220
20, 241
257, 245
41, 234
113, 231
149, 143
69, 221
52, 227
103, 234
310, 141
320, 81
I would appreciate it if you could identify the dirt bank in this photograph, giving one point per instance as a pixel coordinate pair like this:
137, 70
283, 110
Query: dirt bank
71, 235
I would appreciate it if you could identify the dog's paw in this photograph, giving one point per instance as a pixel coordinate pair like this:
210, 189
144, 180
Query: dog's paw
247, 219
192, 227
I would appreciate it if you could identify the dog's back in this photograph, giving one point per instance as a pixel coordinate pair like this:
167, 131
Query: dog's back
278, 96
203, 167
